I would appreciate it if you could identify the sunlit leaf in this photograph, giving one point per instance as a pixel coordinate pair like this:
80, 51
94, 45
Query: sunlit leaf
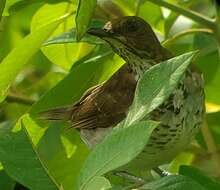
11, 65
63, 55
211, 108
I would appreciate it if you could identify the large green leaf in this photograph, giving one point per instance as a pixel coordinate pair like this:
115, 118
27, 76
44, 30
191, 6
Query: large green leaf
153, 15
116, 150
11, 65
6, 182
21, 160
84, 14
177, 182
156, 85
200, 177
63, 55
62, 151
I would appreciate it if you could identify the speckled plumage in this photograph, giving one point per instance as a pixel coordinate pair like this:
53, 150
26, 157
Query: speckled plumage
105, 105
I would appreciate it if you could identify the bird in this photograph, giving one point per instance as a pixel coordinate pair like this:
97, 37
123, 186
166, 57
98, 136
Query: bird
105, 105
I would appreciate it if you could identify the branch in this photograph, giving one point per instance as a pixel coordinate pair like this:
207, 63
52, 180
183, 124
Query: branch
14, 98
187, 13
187, 32
211, 145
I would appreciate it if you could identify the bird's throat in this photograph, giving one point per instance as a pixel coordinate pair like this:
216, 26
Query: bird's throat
138, 65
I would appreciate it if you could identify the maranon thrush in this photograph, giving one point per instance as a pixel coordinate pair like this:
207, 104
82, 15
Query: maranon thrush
104, 106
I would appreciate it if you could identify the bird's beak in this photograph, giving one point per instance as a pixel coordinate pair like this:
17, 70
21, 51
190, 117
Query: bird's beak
99, 33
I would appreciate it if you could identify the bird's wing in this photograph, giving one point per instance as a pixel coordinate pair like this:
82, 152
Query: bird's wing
107, 104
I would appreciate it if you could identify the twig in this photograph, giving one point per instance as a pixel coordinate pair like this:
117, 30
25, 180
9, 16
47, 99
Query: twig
211, 144
138, 5
211, 23
126, 175
187, 32
19, 99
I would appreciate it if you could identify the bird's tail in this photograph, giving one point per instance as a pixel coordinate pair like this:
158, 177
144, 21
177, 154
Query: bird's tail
60, 113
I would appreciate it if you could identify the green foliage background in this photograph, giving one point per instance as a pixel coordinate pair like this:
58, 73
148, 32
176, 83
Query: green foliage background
47, 60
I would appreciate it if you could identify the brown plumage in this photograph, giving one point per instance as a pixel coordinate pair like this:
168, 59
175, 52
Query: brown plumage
101, 106
105, 105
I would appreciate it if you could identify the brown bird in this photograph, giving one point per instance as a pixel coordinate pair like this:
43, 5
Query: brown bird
104, 106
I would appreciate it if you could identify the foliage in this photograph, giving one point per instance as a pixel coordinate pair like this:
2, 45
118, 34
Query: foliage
48, 60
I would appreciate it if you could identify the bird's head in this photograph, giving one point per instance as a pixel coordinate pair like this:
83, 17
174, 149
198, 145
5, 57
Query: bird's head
131, 35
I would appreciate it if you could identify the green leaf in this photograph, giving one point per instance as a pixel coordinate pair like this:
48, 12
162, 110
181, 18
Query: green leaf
21, 160
63, 55
84, 14
6, 182
200, 177
8, 4
11, 65
177, 182
98, 183
2, 6
62, 151
116, 150
208, 63
152, 14
70, 37
156, 85
169, 21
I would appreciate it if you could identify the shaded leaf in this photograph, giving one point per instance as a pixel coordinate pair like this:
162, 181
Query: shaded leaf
84, 14
200, 177
116, 150
21, 160
6, 182
177, 182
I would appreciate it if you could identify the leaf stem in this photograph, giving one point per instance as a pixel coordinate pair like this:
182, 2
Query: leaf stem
211, 145
186, 32
14, 98
211, 23
128, 176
